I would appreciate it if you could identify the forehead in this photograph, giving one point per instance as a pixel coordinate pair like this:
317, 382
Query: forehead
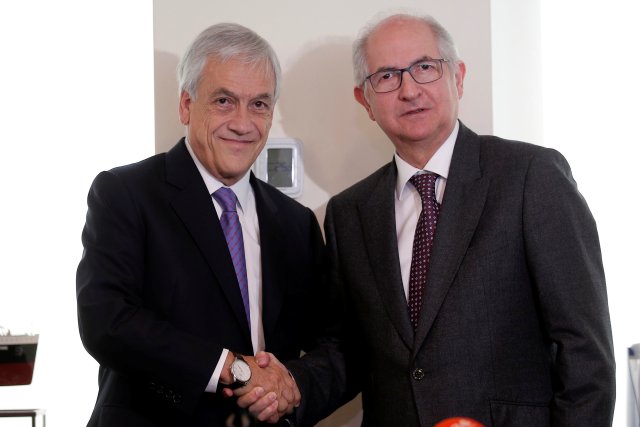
400, 42
238, 75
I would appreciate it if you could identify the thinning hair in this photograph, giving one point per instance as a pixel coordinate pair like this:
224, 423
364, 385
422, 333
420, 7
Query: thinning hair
226, 41
445, 43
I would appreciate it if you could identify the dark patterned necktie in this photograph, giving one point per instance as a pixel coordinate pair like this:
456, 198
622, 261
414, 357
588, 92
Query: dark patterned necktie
425, 183
233, 234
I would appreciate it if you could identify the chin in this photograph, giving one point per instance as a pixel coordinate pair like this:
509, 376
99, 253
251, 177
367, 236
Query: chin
418, 136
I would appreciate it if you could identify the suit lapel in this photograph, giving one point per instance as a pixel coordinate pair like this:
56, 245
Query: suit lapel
377, 214
272, 252
192, 203
462, 206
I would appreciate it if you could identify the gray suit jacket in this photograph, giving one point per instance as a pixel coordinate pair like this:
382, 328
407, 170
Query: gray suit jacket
514, 328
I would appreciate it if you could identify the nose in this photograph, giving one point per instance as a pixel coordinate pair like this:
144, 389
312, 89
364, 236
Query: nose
240, 122
409, 88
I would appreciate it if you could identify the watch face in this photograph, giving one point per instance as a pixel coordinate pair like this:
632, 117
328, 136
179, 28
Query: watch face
241, 370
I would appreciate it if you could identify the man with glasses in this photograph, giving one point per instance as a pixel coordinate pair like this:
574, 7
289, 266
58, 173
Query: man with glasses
467, 272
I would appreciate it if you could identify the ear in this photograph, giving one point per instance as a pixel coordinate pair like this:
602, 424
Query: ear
184, 107
358, 93
461, 71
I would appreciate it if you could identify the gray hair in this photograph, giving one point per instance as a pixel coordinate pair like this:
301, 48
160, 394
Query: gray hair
446, 46
225, 41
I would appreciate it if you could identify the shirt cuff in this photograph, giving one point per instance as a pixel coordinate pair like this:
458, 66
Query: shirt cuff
215, 378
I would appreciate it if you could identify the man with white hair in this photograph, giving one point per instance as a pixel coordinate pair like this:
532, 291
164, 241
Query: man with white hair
191, 264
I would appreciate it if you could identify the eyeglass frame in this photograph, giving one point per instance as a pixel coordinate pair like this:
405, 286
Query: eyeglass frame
408, 70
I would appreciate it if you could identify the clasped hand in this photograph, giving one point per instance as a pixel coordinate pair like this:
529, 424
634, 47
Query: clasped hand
271, 392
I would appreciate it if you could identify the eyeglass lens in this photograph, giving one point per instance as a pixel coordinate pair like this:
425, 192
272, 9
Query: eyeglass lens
422, 72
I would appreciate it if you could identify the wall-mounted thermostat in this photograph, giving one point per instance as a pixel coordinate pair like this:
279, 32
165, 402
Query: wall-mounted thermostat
280, 164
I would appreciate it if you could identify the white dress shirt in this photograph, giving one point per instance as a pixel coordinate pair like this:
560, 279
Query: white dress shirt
408, 203
248, 216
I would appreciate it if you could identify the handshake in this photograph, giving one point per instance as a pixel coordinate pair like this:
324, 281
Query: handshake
267, 389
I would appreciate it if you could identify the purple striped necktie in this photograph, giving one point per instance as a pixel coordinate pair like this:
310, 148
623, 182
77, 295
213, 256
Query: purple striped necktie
233, 234
425, 183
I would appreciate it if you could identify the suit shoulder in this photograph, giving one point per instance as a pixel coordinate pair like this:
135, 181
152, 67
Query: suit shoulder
362, 189
174, 166
496, 145
136, 179
141, 167
511, 161
506, 152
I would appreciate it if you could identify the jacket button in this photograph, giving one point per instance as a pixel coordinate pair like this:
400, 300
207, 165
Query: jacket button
418, 374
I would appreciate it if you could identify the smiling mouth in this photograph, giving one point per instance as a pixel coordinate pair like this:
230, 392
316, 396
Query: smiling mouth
237, 141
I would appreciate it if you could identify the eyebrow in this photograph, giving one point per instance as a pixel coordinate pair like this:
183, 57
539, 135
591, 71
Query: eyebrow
391, 68
231, 94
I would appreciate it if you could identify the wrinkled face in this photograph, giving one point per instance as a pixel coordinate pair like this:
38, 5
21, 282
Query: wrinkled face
228, 122
415, 115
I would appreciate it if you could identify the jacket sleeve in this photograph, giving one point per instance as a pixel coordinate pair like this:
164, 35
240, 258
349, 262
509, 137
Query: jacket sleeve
116, 326
327, 375
563, 254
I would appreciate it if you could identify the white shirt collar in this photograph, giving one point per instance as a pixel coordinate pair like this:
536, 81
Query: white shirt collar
439, 163
241, 188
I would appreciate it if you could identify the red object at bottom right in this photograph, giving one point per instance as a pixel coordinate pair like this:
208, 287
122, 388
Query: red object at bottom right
459, 422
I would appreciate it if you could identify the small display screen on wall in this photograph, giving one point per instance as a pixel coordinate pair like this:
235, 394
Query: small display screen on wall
280, 167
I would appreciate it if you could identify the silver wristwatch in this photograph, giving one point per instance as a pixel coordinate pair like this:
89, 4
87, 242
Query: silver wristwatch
240, 371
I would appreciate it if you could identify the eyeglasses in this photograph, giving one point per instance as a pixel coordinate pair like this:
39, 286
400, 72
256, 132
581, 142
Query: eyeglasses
422, 72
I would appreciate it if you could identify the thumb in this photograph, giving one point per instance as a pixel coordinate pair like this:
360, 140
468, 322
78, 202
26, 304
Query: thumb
262, 359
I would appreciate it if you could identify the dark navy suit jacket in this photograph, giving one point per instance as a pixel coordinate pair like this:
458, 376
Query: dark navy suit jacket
158, 298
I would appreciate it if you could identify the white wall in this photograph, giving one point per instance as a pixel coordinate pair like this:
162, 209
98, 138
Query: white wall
313, 41
564, 77
590, 107
78, 98
517, 70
